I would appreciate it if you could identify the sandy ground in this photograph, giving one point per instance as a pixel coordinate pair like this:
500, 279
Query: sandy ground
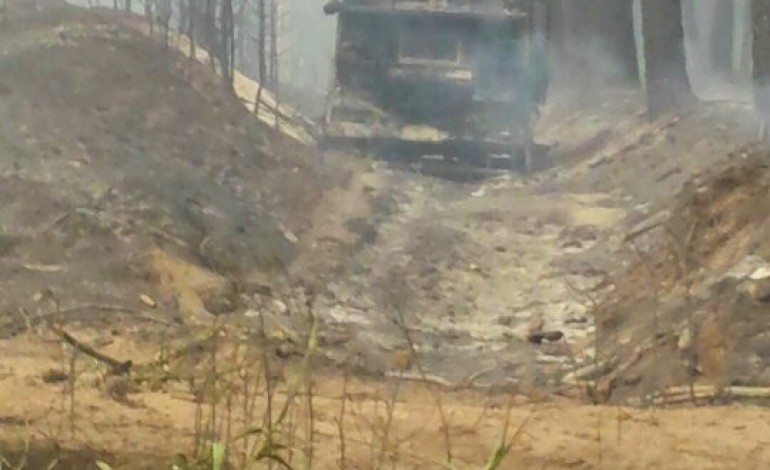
151, 426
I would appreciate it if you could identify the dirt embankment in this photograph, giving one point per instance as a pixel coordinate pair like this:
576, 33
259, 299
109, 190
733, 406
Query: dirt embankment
692, 307
112, 146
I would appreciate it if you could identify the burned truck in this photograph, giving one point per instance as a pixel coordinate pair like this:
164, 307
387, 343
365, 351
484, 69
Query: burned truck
458, 80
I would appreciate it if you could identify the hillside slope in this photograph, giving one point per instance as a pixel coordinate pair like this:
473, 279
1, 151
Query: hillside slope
112, 146
693, 305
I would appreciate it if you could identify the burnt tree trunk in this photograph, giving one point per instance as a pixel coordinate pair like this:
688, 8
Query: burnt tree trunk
760, 14
226, 30
184, 13
667, 84
593, 42
148, 16
240, 38
231, 48
618, 17
690, 19
722, 39
164, 12
210, 28
274, 25
191, 12
262, 53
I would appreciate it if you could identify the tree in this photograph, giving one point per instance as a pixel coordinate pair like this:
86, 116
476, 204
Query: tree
184, 16
191, 15
148, 4
210, 28
760, 14
274, 27
666, 80
262, 13
690, 20
722, 39
164, 10
227, 41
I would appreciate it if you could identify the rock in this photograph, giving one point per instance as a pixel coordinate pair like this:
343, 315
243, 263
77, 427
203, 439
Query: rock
219, 305
334, 338
579, 233
572, 244
280, 307
631, 380
760, 273
536, 324
335, 334
219, 299
752, 267
285, 350
540, 336
251, 313
148, 301
558, 359
576, 320
290, 236
53, 376
553, 336
759, 290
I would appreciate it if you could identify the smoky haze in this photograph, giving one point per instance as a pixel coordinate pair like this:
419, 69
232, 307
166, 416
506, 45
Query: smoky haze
306, 44
717, 43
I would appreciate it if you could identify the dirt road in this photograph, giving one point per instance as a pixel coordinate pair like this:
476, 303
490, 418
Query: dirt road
474, 265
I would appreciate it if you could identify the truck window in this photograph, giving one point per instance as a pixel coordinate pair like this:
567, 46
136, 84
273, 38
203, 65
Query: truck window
417, 45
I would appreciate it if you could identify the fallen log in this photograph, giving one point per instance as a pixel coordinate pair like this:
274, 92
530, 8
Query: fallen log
116, 367
589, 372
683, 394
417, 377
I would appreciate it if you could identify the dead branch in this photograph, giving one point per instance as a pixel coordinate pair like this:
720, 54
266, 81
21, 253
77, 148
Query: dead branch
116, 367
590, 371
641, 231
683, 394
418, 377
471, 381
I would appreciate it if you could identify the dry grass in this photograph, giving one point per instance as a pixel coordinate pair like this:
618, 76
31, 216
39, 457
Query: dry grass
253, 409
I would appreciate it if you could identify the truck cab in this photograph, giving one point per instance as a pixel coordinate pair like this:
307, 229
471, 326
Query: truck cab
458, 78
